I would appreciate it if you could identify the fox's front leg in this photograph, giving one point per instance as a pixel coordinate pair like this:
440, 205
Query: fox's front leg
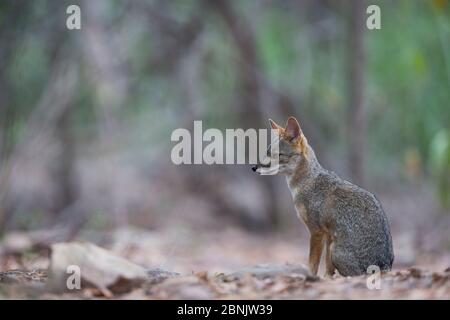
315, 251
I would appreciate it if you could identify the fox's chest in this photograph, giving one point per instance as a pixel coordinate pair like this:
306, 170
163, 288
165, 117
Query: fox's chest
300, 208
307, 206
310, 215
302, 213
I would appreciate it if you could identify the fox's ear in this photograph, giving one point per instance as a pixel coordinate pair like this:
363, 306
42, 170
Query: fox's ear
293, 130
275, 126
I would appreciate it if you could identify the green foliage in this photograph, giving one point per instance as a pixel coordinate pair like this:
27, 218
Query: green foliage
440, 164
408, 83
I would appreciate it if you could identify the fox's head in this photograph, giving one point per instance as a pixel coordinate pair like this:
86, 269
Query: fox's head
292, 149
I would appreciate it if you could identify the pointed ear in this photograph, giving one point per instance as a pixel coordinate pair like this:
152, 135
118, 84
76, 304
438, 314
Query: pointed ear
293, 128
275, 126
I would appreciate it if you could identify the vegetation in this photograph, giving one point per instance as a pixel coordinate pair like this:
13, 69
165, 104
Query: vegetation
86, 118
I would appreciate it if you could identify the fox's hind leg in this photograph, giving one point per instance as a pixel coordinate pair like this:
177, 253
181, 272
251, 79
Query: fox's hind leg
345, 262
315, 251
330, 269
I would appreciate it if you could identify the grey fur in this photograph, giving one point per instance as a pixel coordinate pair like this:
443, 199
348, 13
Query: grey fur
352, 217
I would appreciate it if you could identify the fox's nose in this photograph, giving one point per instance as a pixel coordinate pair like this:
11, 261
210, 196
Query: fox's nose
254, 168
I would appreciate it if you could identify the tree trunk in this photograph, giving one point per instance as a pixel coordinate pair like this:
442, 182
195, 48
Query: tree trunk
251, 115
357, 115
64, 169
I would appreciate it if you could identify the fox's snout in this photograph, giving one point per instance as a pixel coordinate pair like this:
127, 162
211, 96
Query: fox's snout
258, 167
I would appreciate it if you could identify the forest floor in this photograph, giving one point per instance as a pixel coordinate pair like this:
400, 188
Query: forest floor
219, 264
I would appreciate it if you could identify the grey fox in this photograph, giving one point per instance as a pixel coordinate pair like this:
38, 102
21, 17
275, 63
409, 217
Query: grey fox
348, 220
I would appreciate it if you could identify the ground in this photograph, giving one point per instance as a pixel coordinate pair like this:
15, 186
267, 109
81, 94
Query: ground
220, 264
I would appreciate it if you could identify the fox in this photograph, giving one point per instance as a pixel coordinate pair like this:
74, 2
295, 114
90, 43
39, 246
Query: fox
342, 218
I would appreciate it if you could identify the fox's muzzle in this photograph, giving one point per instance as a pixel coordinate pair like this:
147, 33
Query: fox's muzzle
258, 167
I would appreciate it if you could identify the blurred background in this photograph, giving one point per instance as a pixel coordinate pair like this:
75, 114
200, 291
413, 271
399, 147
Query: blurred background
86, 117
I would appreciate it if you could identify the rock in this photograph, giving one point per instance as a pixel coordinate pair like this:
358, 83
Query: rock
271, 271
97, 267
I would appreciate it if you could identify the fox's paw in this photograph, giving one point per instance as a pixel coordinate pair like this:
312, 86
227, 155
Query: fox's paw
328, 276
